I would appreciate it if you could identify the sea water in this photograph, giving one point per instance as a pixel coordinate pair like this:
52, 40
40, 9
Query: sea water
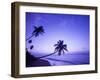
70, 58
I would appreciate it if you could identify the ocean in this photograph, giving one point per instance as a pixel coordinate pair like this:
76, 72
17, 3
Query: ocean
70, 58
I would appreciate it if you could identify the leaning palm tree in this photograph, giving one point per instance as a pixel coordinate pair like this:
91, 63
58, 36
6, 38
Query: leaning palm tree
60, 47
36, 32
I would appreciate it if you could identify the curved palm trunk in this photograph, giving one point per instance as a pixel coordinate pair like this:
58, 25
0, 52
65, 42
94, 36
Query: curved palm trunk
46, 55
29, 37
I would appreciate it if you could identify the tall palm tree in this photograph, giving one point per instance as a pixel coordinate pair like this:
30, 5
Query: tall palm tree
60, 47
36, 32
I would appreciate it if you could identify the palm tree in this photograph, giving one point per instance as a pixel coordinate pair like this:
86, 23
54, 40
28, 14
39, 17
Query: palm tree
60, 47
36, 32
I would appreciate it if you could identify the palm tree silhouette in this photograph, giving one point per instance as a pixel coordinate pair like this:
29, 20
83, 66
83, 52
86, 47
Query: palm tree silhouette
60, 47
36, 32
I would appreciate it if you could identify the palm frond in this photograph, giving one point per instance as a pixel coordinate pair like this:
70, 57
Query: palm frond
60, 47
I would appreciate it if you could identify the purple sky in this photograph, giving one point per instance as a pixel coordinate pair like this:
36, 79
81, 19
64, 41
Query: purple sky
73, 29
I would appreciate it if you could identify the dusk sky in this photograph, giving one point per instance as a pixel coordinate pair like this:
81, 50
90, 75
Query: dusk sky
73, 29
